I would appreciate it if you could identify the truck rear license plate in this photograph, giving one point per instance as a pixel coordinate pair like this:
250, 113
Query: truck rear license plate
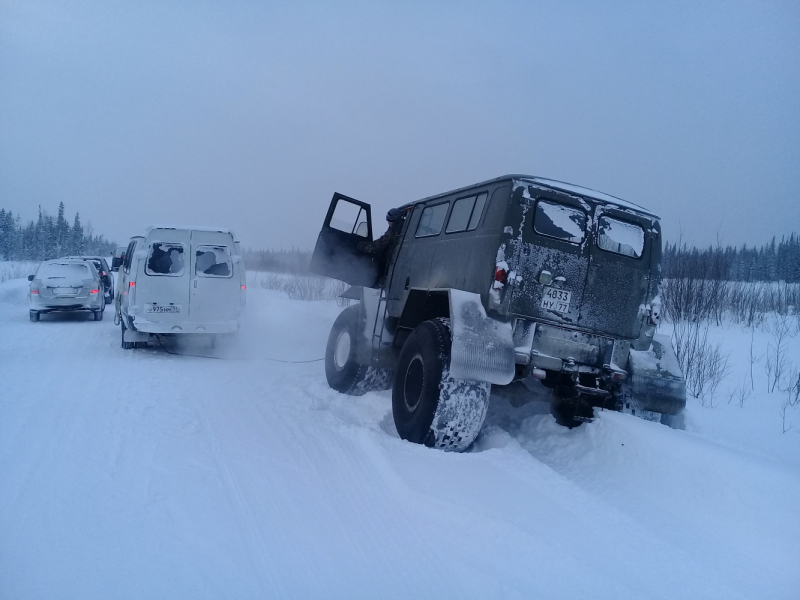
155, 308
556, 300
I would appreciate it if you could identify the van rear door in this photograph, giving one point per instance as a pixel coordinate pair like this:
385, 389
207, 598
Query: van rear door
215, 291
551, 262
619, 272
162, 286
336, 255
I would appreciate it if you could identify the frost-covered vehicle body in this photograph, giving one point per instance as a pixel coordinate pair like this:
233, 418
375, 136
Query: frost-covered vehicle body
180, 281
509, 281
65, 285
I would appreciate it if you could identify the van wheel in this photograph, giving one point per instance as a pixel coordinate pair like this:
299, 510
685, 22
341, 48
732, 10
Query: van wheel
429, 406
342, 371
34, 316
125, 345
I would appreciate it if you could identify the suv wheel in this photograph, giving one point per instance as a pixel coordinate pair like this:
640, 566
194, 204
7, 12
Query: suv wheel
428, 405
342, 371
34, 316
98, 314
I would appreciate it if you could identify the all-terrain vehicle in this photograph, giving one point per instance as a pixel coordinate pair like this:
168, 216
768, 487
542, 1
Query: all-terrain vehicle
518, 281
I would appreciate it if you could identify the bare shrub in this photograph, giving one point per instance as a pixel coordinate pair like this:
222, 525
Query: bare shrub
777, 361
303, 287
740, 394
785, 405
793, 388
704, 364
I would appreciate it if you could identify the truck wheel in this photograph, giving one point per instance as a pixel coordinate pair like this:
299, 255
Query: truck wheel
429, 406
675, 421
342, 371
34, 316
125, 345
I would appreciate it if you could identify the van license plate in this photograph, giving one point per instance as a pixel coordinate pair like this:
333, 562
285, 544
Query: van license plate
556, 300
154, 308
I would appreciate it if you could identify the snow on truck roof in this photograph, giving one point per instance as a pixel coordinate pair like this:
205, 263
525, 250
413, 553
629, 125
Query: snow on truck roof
556, 185
150, 228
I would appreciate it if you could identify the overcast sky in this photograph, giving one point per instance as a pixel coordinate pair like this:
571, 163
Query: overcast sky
250, 115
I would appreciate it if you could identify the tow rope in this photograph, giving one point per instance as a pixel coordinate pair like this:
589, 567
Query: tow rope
291, 362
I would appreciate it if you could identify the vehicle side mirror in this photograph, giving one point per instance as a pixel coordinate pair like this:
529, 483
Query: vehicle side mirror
115, 263
30, 277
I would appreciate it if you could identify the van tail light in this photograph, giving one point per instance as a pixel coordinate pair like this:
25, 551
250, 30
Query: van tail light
34, 291
94, 291
244, 287
132, 290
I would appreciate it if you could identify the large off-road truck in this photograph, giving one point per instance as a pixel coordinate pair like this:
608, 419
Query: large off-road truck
519, 281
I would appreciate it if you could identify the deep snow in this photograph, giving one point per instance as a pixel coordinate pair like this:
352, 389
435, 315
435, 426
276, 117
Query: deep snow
141, 474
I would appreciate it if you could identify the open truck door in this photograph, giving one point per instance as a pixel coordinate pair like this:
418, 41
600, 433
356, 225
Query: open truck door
336, 255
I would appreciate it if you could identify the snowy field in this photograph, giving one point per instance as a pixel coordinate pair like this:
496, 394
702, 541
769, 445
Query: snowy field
142, 474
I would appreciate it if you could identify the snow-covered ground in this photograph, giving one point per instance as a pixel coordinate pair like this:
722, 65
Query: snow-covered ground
142, 474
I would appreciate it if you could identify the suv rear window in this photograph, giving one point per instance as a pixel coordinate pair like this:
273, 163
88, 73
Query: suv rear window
213, 261
559, 221
165, 259
432, 219
620, 237
466, 213
61, 271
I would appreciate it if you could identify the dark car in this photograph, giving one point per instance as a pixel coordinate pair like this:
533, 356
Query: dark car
104, 271
520, 282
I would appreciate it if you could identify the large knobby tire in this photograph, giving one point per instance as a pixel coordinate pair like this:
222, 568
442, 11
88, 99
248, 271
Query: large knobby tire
429, 406
343, 373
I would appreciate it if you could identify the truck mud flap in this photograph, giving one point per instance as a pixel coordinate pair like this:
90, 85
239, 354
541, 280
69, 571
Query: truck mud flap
656, 382
483, 348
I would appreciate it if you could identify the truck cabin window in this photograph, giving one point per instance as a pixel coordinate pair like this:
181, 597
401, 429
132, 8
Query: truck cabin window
213, 261
620, 237
432, 219
350, 218
165, 259
559, 221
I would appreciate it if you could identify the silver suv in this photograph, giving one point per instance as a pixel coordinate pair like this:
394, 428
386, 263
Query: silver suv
66, 285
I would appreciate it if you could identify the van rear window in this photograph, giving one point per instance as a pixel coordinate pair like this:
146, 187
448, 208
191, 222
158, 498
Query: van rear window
620, 237
559, 221
165, 259
213, 261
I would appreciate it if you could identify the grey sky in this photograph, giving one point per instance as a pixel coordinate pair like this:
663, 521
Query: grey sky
251, 114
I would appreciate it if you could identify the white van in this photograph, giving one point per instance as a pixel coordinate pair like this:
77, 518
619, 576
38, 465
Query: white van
178, 280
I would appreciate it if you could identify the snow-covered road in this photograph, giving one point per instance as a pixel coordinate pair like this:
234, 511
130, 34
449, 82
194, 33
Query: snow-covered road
142, 474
